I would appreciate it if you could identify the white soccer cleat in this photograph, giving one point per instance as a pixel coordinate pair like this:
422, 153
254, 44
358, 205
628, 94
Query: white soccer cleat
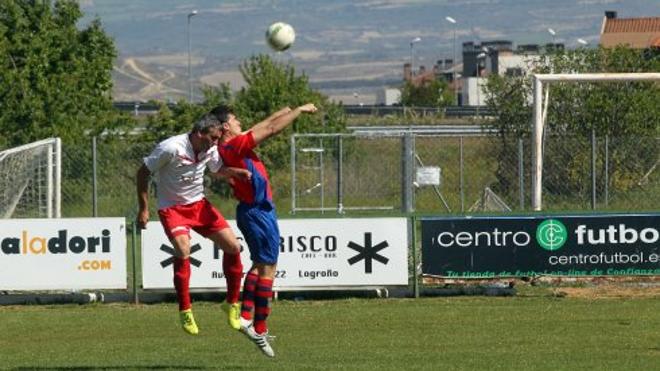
260, 339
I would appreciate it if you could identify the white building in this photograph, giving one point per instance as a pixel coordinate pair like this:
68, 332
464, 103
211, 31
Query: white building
506, 64
388, 96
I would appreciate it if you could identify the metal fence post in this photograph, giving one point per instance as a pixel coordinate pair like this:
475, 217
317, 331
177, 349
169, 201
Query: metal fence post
293, 173
94, 180
340, 159
593, 169
607, 170
321, 181
407, 154
521, 174
460, 171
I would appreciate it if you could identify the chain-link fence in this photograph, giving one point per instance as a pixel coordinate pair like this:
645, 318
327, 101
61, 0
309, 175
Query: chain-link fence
99, 179
344, 172
475, 174
384, 173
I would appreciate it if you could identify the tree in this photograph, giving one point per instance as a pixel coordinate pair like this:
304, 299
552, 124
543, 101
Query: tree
55, 80
433, 93
507, 97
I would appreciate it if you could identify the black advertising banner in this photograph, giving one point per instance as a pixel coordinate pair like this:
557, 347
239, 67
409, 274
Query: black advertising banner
571, 245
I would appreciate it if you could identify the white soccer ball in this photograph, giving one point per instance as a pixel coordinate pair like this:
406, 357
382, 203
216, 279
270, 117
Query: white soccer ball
280, 36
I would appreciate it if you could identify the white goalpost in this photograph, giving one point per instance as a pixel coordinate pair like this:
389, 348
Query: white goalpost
30, 179
540, 112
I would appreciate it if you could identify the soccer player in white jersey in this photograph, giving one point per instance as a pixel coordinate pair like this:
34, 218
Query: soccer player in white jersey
178, 164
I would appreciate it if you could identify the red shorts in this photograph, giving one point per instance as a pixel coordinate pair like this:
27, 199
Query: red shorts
199, 216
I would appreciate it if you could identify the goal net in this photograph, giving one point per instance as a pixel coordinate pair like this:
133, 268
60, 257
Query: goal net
30, 180
618, 100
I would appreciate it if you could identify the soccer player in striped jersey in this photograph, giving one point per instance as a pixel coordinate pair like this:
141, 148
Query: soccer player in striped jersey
255, 213
178, 165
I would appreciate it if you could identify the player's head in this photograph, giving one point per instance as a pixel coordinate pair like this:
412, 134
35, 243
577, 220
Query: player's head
229, 122
206, 131
207, 123
222, 113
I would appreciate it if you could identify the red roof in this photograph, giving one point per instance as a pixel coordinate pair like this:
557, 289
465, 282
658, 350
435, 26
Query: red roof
635, 32
648, 24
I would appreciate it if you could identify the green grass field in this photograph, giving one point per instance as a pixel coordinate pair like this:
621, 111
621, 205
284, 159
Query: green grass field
532, 330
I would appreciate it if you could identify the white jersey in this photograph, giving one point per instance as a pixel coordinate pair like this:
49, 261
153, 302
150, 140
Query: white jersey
179, 173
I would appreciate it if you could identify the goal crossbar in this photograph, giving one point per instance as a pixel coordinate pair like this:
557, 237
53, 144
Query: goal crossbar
539, 80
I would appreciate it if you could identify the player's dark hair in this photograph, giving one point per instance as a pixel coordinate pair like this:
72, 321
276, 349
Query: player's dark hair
222, 113
215, 118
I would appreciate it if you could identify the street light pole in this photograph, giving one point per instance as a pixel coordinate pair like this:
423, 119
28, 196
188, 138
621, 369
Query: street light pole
190, 81
412, 57
553, 34
453, 22
480, 56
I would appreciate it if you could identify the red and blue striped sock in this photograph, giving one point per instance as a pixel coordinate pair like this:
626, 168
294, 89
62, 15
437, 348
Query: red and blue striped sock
182, 282
249, 287
262, 300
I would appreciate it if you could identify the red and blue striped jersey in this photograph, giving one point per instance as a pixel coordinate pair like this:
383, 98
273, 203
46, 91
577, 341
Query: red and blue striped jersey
238, 152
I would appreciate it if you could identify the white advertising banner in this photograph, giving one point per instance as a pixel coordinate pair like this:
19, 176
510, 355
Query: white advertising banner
314, 253
62, 254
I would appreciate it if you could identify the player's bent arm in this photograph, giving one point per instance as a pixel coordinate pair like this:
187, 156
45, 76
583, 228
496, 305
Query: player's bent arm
265, 130
234, 172
142, 178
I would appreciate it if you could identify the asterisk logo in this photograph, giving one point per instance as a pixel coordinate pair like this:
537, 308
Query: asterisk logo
368, 253
193, 249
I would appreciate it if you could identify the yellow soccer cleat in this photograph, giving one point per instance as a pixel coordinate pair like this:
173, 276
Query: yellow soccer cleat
188, 322
233, 314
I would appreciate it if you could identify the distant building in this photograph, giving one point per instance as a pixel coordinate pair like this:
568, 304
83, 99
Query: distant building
509, 64
388, 96
443, 69
475, 55
637, 33
422, 76
480, 60
499, 57
495, 57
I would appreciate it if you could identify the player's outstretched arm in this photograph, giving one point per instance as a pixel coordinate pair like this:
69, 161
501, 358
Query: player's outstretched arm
143, 196
268, 128
269, 120
277, 114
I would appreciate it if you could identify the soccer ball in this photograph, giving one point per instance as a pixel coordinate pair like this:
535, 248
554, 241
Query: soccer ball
280, 36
